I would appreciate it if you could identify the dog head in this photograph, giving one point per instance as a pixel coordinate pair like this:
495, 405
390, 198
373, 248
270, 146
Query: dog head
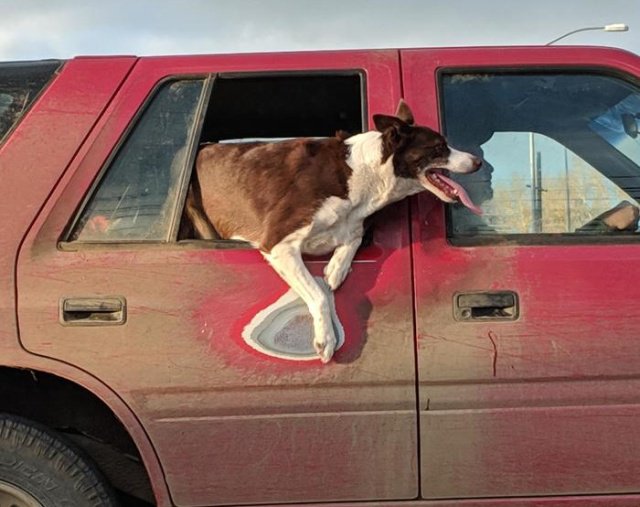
423, 154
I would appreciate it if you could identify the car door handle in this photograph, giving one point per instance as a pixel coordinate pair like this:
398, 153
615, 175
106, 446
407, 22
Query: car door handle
93, 311
491, 305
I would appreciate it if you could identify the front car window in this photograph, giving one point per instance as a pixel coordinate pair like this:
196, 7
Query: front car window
561, 154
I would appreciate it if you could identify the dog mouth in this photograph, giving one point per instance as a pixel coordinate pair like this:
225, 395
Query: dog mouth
451, 189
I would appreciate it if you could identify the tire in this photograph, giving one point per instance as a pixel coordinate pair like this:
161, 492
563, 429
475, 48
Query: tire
38, 468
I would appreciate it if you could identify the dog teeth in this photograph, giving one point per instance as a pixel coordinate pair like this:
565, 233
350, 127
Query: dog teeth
443, 185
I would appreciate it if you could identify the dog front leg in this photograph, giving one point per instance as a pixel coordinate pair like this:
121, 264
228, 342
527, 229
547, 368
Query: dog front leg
286, 259
338, 267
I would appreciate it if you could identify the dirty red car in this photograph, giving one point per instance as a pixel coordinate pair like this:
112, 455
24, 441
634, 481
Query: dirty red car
489, 360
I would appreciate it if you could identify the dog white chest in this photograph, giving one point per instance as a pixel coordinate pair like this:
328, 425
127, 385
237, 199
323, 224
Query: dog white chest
372, 185
333, 224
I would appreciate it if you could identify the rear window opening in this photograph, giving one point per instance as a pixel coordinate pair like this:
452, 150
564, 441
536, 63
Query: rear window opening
245, 108
270, 108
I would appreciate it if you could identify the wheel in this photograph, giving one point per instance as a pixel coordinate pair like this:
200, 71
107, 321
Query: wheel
39, 469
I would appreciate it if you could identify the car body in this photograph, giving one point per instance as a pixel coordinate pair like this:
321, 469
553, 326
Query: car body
484, 364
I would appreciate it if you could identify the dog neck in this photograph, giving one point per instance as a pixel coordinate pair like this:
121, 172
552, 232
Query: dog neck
373, 183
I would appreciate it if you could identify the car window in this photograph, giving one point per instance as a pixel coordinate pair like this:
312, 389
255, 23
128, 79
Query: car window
560, 155
20, 84
140, 193
136, 198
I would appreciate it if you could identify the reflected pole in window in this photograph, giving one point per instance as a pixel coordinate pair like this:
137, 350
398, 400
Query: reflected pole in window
536, 186
567, 189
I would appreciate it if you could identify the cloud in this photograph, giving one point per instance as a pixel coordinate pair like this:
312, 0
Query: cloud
64, 28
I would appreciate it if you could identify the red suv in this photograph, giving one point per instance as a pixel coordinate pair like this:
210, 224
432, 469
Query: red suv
489, 360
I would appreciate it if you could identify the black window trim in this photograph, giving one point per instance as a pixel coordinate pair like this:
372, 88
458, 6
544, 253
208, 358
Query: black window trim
525, 239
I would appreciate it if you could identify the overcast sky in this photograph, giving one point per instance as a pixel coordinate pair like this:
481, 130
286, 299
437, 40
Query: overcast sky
32, 29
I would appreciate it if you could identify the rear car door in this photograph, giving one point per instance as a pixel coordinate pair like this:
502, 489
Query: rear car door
108, 282
527, 320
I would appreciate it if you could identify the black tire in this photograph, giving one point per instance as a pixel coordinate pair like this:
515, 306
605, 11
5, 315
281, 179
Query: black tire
37, 466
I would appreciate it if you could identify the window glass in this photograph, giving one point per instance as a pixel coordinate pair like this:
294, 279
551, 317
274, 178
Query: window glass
570, 192
137, 197
20, 84
619, 126
561, 153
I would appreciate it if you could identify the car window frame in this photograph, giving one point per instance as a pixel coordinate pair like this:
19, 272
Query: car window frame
65, 242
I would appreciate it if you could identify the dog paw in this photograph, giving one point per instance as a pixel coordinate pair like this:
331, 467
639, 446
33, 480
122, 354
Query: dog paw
325, 347
335, 274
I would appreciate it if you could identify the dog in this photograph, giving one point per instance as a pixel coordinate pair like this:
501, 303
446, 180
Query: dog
311, 196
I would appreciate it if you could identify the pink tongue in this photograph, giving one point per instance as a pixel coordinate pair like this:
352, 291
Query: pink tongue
462, 195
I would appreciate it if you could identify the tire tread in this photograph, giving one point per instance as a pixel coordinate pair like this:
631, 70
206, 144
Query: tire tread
61, 455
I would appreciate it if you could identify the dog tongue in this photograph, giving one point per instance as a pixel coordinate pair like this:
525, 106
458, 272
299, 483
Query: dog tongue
462, 195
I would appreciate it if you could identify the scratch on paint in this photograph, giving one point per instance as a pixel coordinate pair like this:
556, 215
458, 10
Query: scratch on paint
492, 338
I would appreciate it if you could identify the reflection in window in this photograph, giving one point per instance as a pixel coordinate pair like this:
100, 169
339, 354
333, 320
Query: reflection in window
559, 194
620, 126
561, 152
136, 199
20, 84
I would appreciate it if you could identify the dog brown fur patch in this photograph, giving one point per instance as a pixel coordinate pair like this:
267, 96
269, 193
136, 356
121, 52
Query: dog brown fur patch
264, 191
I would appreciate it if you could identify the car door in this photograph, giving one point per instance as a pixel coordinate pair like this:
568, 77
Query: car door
527, 320
104, 284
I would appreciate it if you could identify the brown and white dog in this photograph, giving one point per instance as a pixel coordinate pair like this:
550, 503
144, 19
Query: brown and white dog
312, 195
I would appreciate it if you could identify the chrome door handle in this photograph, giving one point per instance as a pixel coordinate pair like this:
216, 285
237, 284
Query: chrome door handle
93, 311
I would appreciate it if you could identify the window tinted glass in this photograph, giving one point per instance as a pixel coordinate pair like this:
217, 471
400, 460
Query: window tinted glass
136, 199
560, 150
20, 84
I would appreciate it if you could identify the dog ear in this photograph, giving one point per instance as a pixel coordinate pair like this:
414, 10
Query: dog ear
395, 133
384, 122
341, 135
404, 112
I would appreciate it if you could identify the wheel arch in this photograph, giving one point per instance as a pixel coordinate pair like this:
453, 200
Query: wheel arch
45, 394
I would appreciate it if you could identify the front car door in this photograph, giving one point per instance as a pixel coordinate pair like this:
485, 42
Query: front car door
106, 284
527, 318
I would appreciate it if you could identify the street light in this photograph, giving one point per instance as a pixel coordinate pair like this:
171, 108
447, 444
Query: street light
615, 27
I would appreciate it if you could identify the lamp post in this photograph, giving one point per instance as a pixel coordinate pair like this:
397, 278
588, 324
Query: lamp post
614, 27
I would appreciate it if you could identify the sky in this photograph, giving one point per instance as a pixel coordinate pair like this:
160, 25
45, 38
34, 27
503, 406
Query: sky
36, 29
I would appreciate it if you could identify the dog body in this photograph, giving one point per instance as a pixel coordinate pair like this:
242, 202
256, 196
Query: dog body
312, 196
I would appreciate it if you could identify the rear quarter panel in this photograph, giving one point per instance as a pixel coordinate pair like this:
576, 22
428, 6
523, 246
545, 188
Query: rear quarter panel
35, 155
